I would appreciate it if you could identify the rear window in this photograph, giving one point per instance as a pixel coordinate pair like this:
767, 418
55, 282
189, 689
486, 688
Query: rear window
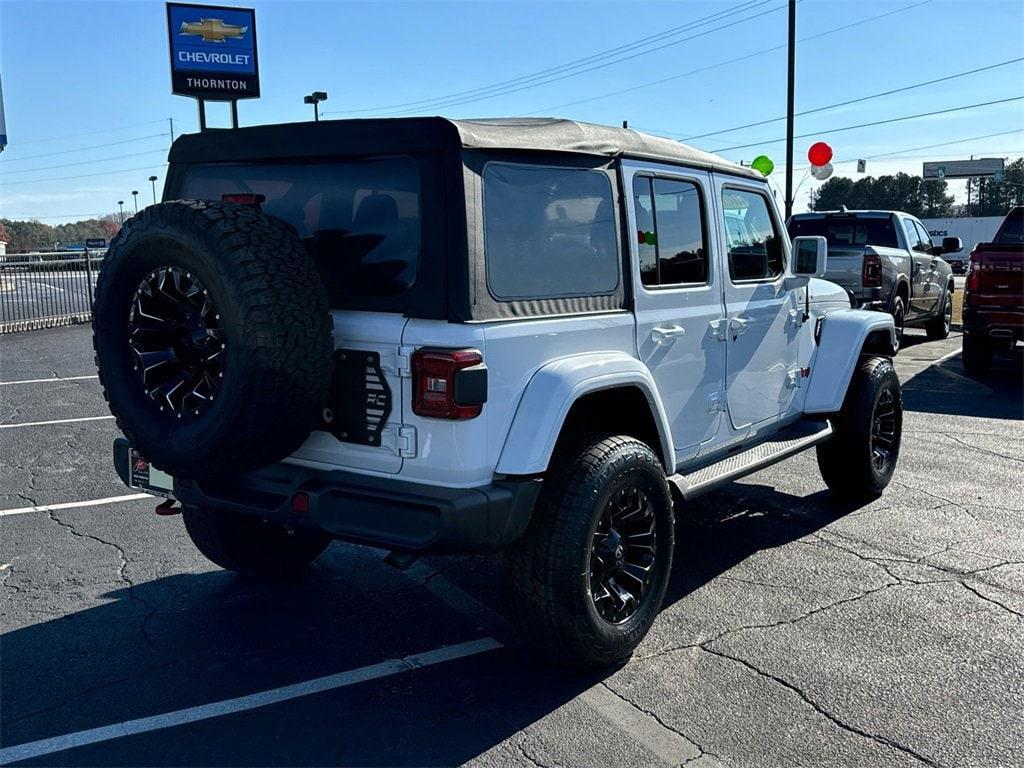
1012, 230
847, 232
360, 219
549, 232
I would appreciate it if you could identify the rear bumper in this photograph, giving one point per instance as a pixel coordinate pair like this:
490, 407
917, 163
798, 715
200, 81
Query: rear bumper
867, 298
382, 512
999, 324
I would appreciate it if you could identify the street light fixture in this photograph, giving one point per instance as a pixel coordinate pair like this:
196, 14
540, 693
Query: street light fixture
120, 208
152, 180
135, 195
315, 98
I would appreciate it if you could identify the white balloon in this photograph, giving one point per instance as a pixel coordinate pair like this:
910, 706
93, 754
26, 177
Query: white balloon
822, 172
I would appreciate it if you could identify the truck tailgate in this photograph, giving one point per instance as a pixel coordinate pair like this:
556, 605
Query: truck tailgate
845, 267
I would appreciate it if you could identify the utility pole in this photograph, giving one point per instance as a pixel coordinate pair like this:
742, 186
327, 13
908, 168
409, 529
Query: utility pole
152, 180
171, 121
789, 108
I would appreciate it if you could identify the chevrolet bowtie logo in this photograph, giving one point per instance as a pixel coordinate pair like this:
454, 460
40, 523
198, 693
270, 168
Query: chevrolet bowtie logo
212, 30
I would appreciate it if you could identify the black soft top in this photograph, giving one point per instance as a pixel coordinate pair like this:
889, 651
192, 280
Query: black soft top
417, 134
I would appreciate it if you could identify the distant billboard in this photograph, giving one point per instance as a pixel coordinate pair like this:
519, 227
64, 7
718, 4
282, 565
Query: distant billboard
213, 52
963, 169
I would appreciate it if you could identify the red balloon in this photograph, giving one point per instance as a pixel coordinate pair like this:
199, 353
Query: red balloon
819, 153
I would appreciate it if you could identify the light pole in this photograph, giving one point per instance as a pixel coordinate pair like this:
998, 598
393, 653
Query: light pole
789, 107
315, 98
120, 208
135, 196
152, 180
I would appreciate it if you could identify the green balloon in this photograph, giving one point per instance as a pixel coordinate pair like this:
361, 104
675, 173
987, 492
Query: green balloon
764, 164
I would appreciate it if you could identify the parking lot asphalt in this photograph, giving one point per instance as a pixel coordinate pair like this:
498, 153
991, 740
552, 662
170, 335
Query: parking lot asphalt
795, 631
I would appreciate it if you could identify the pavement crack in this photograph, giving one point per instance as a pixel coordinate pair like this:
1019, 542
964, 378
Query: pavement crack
529, 757
950, 502
830, 716
121, 572
992, 600
978, 448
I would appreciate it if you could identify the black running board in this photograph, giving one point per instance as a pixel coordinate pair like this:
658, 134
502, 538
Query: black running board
782, 445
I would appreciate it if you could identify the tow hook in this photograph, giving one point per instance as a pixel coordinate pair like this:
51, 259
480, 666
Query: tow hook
168, 507
400, 560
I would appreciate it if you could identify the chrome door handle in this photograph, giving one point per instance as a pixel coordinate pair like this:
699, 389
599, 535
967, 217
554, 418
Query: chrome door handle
664, 335
738, 325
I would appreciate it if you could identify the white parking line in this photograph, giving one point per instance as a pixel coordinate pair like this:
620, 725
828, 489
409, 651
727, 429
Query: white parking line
74, 504
46, 381
944, 358
246, 703
56, 421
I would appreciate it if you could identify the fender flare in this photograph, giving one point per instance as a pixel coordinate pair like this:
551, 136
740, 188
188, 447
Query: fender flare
843, 334
550, 394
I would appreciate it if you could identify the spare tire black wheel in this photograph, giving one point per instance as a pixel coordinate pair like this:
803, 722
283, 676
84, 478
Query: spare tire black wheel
213, 337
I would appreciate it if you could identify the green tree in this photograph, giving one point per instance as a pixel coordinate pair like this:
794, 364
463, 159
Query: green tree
901, 192
994, 198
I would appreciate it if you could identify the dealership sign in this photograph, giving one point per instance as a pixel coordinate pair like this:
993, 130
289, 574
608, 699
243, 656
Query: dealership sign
213, 52
964, 169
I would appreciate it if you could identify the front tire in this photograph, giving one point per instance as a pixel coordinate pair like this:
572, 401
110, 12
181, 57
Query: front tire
252, 546
938, 327
858, 462
589, 575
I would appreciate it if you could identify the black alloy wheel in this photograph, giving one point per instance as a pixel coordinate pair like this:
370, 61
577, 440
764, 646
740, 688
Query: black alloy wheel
622, 555
883, 431
178, 343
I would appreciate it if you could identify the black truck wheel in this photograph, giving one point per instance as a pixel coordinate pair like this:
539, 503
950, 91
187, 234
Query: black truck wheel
938, 327
589, 575
212, 336
858, 461
249, 545
978, 354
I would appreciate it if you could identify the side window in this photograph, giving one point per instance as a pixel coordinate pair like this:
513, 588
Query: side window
926, 239
670, 231
752, 239
549, 232
913, 236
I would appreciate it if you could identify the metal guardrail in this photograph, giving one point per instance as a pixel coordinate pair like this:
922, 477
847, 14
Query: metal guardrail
46, 290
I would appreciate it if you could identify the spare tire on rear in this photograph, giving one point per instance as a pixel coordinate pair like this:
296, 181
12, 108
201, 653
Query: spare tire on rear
213, 337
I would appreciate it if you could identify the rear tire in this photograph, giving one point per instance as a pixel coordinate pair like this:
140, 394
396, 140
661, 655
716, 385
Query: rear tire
858, 461
604, 506
899, 318
977, 354
938, 327
252, 546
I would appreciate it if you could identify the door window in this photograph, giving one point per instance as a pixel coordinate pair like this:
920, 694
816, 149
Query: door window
914, 237
751, 236
670, 232
925, 238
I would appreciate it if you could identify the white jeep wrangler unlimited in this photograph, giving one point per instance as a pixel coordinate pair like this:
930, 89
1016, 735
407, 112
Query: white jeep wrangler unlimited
438, 336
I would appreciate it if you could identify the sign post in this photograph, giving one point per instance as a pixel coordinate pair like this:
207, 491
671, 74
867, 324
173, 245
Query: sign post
213, 55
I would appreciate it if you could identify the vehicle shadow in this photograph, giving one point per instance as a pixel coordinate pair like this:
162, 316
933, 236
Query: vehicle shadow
946, 388
193, 638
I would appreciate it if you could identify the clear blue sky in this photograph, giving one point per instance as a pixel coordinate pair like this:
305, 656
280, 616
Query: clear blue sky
81, 74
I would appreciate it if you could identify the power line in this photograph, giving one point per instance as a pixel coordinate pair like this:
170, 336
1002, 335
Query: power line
874, 123
858, 100
507, 91
83, 149
660, 81
82, 175
83, 162
575, 63
91, 133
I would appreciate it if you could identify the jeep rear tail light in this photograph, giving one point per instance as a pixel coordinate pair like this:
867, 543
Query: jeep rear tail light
244, 199
872, 276
448, 384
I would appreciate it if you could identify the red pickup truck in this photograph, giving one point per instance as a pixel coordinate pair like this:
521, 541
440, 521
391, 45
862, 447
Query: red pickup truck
993, 316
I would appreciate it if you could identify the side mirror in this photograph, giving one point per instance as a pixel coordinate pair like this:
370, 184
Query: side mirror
810, 255
952, 245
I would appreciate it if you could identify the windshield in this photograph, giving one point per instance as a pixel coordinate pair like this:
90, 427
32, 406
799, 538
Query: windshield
360, 220
848, 231
1012, 231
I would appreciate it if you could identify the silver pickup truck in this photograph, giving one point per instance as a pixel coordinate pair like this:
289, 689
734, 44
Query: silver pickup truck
886, 261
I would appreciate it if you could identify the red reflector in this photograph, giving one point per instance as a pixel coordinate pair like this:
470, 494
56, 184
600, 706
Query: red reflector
168, 507
300, 503
433, 382
244, 199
